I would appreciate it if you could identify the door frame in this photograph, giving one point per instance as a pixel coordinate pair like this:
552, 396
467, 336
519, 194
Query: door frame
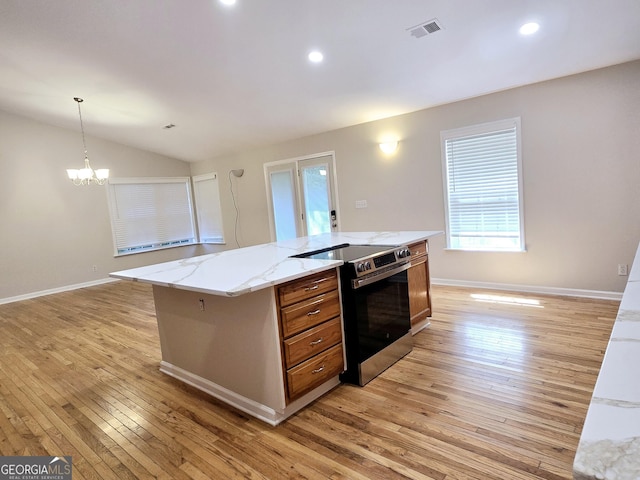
299, 204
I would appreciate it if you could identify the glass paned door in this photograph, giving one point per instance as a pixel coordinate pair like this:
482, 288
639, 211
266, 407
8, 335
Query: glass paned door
316, 190
302, 197
283, 198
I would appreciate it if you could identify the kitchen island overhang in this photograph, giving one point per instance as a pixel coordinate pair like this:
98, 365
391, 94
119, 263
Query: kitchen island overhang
218, 317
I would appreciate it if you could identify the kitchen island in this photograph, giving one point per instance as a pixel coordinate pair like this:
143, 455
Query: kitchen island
220, 320
609, 447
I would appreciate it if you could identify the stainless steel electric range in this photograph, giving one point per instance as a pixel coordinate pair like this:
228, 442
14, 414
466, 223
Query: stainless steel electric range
375, 304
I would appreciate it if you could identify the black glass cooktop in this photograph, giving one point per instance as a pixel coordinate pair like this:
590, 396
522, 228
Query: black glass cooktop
345, 252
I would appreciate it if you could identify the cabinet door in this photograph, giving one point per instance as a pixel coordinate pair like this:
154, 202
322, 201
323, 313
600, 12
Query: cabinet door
419, 298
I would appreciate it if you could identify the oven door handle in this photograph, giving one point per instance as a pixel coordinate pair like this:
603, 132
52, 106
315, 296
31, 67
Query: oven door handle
362, 282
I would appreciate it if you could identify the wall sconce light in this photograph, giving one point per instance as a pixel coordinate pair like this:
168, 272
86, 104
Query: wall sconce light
389, 147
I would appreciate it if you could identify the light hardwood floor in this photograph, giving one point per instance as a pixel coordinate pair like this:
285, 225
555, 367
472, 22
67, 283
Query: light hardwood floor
496, 388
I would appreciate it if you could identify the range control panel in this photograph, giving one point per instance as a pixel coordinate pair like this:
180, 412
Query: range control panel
397, 255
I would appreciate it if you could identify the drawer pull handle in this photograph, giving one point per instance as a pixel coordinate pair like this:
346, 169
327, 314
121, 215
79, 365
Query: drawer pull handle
315, 312
318, 370
309, 289
316, 342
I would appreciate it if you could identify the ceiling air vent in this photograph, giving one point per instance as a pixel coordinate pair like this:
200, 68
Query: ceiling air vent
426, 28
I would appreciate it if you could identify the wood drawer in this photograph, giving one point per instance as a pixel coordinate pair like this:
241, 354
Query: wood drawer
309, 313
311, 342
418, 249
314, 372
307, 287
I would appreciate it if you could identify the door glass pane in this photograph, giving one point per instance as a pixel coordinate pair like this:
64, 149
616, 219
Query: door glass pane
284, 211
316, 199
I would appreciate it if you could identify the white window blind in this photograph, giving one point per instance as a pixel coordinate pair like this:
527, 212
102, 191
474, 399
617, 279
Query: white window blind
150, 213
207, 199
483, 185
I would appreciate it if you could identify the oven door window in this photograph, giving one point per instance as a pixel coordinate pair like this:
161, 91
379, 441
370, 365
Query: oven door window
382, 314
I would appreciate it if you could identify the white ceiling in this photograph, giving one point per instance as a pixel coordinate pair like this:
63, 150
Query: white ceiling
233, 78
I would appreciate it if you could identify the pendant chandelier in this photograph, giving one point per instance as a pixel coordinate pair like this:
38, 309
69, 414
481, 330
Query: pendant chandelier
86, 175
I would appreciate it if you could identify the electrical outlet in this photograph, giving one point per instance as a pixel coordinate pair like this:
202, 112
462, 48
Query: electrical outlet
94, 268
201, 302
361, 204
622, 270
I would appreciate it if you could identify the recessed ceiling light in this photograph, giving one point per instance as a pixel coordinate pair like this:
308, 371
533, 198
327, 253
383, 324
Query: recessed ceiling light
529, 28
315, 56
228, 2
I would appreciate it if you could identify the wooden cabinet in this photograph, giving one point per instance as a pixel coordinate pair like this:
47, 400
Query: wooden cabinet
314, 372
310, 332
312, 341
419, 286
310, 312
307, 287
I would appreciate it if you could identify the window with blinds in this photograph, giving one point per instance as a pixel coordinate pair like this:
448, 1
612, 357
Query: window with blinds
151, 213
206, 193
483, 187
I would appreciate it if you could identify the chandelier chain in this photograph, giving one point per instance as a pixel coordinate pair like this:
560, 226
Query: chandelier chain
86, 175
84, 143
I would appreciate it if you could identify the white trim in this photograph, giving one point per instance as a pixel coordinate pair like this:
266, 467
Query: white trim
569, 292
268, 171
136, 180
195, 180
269, 166
329, 153
51, 291
481, 129
263, 412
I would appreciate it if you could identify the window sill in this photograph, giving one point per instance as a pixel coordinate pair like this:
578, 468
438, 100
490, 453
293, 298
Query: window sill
154, 249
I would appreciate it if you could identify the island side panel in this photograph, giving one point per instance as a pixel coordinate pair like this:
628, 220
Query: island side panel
230, 341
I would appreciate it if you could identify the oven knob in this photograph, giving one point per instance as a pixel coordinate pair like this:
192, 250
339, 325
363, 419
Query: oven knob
367, 266
360, 267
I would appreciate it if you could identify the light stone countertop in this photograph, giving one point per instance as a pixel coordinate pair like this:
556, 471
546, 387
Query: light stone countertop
609, 447
243, 270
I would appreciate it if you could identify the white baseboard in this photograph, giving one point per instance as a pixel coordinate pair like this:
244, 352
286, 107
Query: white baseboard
51, 291
263, 412
569, 292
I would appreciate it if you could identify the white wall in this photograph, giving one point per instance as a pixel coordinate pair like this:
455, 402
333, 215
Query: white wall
581, 161
581, 164
52, 232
